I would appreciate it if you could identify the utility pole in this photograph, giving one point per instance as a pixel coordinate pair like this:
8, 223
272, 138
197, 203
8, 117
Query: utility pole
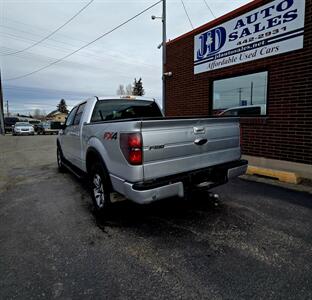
251, 93
163, 45
7, 107
164, 36
240, 96
2, 129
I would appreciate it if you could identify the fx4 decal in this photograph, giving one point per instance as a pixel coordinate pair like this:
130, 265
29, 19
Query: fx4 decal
110, 135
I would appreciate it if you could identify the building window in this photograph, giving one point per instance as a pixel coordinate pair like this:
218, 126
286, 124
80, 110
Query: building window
241, 96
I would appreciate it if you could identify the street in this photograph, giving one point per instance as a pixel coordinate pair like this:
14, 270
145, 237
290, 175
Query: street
256, 244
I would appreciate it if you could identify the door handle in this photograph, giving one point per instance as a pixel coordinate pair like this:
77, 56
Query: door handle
199, 129
200, 142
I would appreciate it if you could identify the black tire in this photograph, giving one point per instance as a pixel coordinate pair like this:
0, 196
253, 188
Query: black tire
100, 188
60, 159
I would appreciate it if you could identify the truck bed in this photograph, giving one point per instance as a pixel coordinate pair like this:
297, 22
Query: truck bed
169, 145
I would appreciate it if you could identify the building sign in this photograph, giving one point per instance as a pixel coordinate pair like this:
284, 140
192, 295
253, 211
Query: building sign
271, 29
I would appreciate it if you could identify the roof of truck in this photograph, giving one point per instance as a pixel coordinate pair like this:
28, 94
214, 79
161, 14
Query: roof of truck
126, 97
116, 98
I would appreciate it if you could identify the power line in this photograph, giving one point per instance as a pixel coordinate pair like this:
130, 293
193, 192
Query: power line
210, 9
39, 35
87, 53
2, 127
3, 51
34, 28
52, 33
24, 36
86, 45
56, 47
187, 14
32, 39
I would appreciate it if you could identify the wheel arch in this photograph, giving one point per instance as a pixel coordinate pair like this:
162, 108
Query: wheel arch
93, 156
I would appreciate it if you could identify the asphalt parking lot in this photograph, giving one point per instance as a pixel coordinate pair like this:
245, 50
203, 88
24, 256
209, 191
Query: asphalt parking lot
256, 244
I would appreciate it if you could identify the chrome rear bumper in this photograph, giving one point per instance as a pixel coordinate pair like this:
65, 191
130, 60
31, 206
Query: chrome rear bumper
175, 186
151, 195
237, 171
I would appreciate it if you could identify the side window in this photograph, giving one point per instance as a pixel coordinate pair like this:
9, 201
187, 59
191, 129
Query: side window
70, 118
79, 114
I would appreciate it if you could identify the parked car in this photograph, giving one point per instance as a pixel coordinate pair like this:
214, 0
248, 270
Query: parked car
244, 111
34, 122
127, 146
49, 127
9, 122
23, 128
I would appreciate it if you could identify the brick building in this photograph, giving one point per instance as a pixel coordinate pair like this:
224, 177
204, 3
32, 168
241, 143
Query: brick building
266, 78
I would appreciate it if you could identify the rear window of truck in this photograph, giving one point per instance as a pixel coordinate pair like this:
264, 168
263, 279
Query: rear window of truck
106, 110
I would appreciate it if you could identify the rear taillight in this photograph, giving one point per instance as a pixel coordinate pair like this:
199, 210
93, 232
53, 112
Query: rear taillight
131, 147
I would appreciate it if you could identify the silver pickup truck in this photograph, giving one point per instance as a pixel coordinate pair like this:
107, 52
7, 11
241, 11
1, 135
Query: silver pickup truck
125, 145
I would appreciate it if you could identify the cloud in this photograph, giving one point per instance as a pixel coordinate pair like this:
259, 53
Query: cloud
97, 70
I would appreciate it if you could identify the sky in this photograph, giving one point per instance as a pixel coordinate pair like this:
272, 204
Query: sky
128, 53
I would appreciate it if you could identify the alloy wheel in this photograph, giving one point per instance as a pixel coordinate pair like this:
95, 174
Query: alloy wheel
98, 190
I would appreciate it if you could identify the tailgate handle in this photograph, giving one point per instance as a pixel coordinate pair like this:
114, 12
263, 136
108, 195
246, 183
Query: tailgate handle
200, 142
199, 130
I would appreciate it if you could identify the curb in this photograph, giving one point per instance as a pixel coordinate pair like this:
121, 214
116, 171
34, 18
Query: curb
273, 182
282, 176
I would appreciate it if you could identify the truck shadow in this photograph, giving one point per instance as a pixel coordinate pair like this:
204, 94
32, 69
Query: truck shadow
167, 218
198, 203
173, 217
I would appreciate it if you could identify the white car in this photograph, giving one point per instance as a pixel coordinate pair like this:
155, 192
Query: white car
244, 111
23, 128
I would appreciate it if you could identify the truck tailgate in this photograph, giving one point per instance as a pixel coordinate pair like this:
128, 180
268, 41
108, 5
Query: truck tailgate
173, 146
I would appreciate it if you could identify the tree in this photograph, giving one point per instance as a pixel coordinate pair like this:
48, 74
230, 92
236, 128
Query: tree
138, 88
62, 107
129, 89
37, 113
121, 90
